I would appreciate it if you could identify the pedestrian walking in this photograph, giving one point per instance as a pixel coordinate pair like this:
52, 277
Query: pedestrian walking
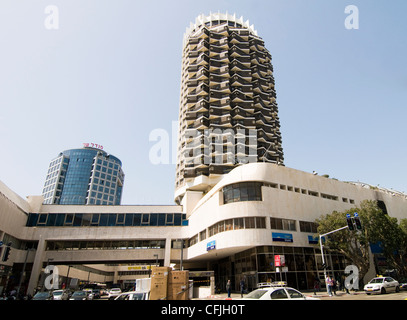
328, 282
316, 286
241, 287
228, 288
334, 286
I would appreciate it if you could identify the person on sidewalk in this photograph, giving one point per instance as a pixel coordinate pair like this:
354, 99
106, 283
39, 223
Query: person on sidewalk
316, 286
241, 287
228, 288
329, 283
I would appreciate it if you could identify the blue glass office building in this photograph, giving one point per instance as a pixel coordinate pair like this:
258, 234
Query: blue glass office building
84, 176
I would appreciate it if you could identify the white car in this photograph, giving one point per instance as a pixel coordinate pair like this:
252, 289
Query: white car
60, 295
382, 285
276, 293
134, 295
113, 293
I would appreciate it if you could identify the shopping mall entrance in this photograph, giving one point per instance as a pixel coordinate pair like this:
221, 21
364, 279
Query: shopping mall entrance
302, 267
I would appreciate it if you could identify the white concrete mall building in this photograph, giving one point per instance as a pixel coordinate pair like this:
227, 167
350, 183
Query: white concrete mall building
256, 211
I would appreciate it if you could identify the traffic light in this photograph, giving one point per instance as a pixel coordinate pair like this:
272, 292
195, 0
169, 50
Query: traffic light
350, 222
6, 253
357, 221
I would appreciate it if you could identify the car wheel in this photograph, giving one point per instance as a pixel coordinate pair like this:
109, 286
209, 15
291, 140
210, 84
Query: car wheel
397, 289
383, 291
368, 293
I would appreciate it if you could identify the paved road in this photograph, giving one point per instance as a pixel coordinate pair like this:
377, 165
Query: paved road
363, 296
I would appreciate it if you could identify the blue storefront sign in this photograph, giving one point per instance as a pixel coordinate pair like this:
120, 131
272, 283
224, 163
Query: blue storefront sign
211, 245
282, 237
312, 240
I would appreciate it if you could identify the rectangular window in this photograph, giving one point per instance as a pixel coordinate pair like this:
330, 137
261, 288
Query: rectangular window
128, 220
161, 219
170, 219
86, 219
68, 219
282, 224
32, 219
153, 219
245, 191
238, 223
42, 219
95, 219
146, 219
177, 219
260, 223
202, 235
103, 220
137, 219
51, 220
77, 221
112, 219
249, 223
228, 224
307, 226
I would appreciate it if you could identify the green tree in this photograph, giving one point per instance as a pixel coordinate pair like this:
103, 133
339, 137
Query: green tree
377, 228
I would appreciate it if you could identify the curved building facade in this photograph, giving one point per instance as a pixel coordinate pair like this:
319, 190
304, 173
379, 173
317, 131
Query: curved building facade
261, 210
84, 176
228, 111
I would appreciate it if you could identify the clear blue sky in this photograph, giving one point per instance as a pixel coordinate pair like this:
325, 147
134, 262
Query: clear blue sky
111, 74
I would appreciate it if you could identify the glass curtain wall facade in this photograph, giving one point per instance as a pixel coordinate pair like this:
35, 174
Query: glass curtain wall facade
84, 176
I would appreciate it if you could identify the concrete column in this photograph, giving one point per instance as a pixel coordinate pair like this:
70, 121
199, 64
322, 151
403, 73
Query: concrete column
115, 276
37, 266
167, 254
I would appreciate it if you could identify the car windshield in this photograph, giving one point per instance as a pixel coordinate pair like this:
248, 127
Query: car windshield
256, 294
42, 295
138, 296
79, 293
57, 293
376, 280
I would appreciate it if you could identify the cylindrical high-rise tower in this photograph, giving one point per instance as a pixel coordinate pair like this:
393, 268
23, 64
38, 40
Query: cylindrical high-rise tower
84, 176
228, 111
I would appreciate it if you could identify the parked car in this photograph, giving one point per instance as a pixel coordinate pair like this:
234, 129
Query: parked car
113, 293
60, 295
80, 295
96, 293
277, 293
382, 285
43, 295
134, 295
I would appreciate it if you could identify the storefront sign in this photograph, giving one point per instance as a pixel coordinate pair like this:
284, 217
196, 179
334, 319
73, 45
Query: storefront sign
282, 237
211, 245
313, 240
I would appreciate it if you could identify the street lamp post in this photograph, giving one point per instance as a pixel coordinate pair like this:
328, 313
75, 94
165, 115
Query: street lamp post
322, 251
